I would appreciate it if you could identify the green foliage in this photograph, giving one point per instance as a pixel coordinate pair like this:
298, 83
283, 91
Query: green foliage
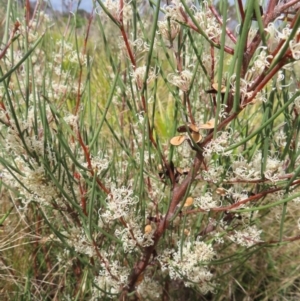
150, 159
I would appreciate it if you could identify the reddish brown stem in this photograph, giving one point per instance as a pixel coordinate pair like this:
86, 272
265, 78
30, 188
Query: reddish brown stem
27, 12
129, 51
12, 35
281, 43
289, 239
88, 159
245, 201
121, 12
80, 64
188, 102
178, 193
217, 16
241, 9
180, 190
107, 265
285, 6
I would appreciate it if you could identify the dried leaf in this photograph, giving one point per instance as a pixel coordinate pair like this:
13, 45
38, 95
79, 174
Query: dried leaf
177, 140
208, 125
196, 137
193, 128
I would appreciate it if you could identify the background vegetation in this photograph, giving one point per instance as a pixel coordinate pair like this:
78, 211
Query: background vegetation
150, 151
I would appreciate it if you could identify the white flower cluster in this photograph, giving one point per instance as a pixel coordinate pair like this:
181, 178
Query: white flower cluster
118, 203
260, 61
274, 169
295, 48
132, 235
243, 86
213, 173
63, 83
113, 8
139, 73
244, 170
146, 157
64, 258
218, 145
168, 29
207, 201
67, 53
203, 16
99, 163
260, 97
36, 186
149, 289
189, 263
140, 45
182, 80
174, 11
110, 281
276, 34
223, 113
207, 21
280, 78
78, 239
247, 237
236, 193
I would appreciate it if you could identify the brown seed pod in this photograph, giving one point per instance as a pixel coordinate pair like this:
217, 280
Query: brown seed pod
193, 128
208, 125
184, 128
214, 89
196, 137
177, 140
188, 202
148, 229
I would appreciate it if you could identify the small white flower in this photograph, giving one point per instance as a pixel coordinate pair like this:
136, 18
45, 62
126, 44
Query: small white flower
218, 145
261, 61
182, 80
247, 237
168, 30
119, 203
139, 73
174, 11
207, 201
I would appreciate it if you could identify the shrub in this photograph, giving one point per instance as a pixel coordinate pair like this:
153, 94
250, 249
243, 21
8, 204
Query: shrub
154, 162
